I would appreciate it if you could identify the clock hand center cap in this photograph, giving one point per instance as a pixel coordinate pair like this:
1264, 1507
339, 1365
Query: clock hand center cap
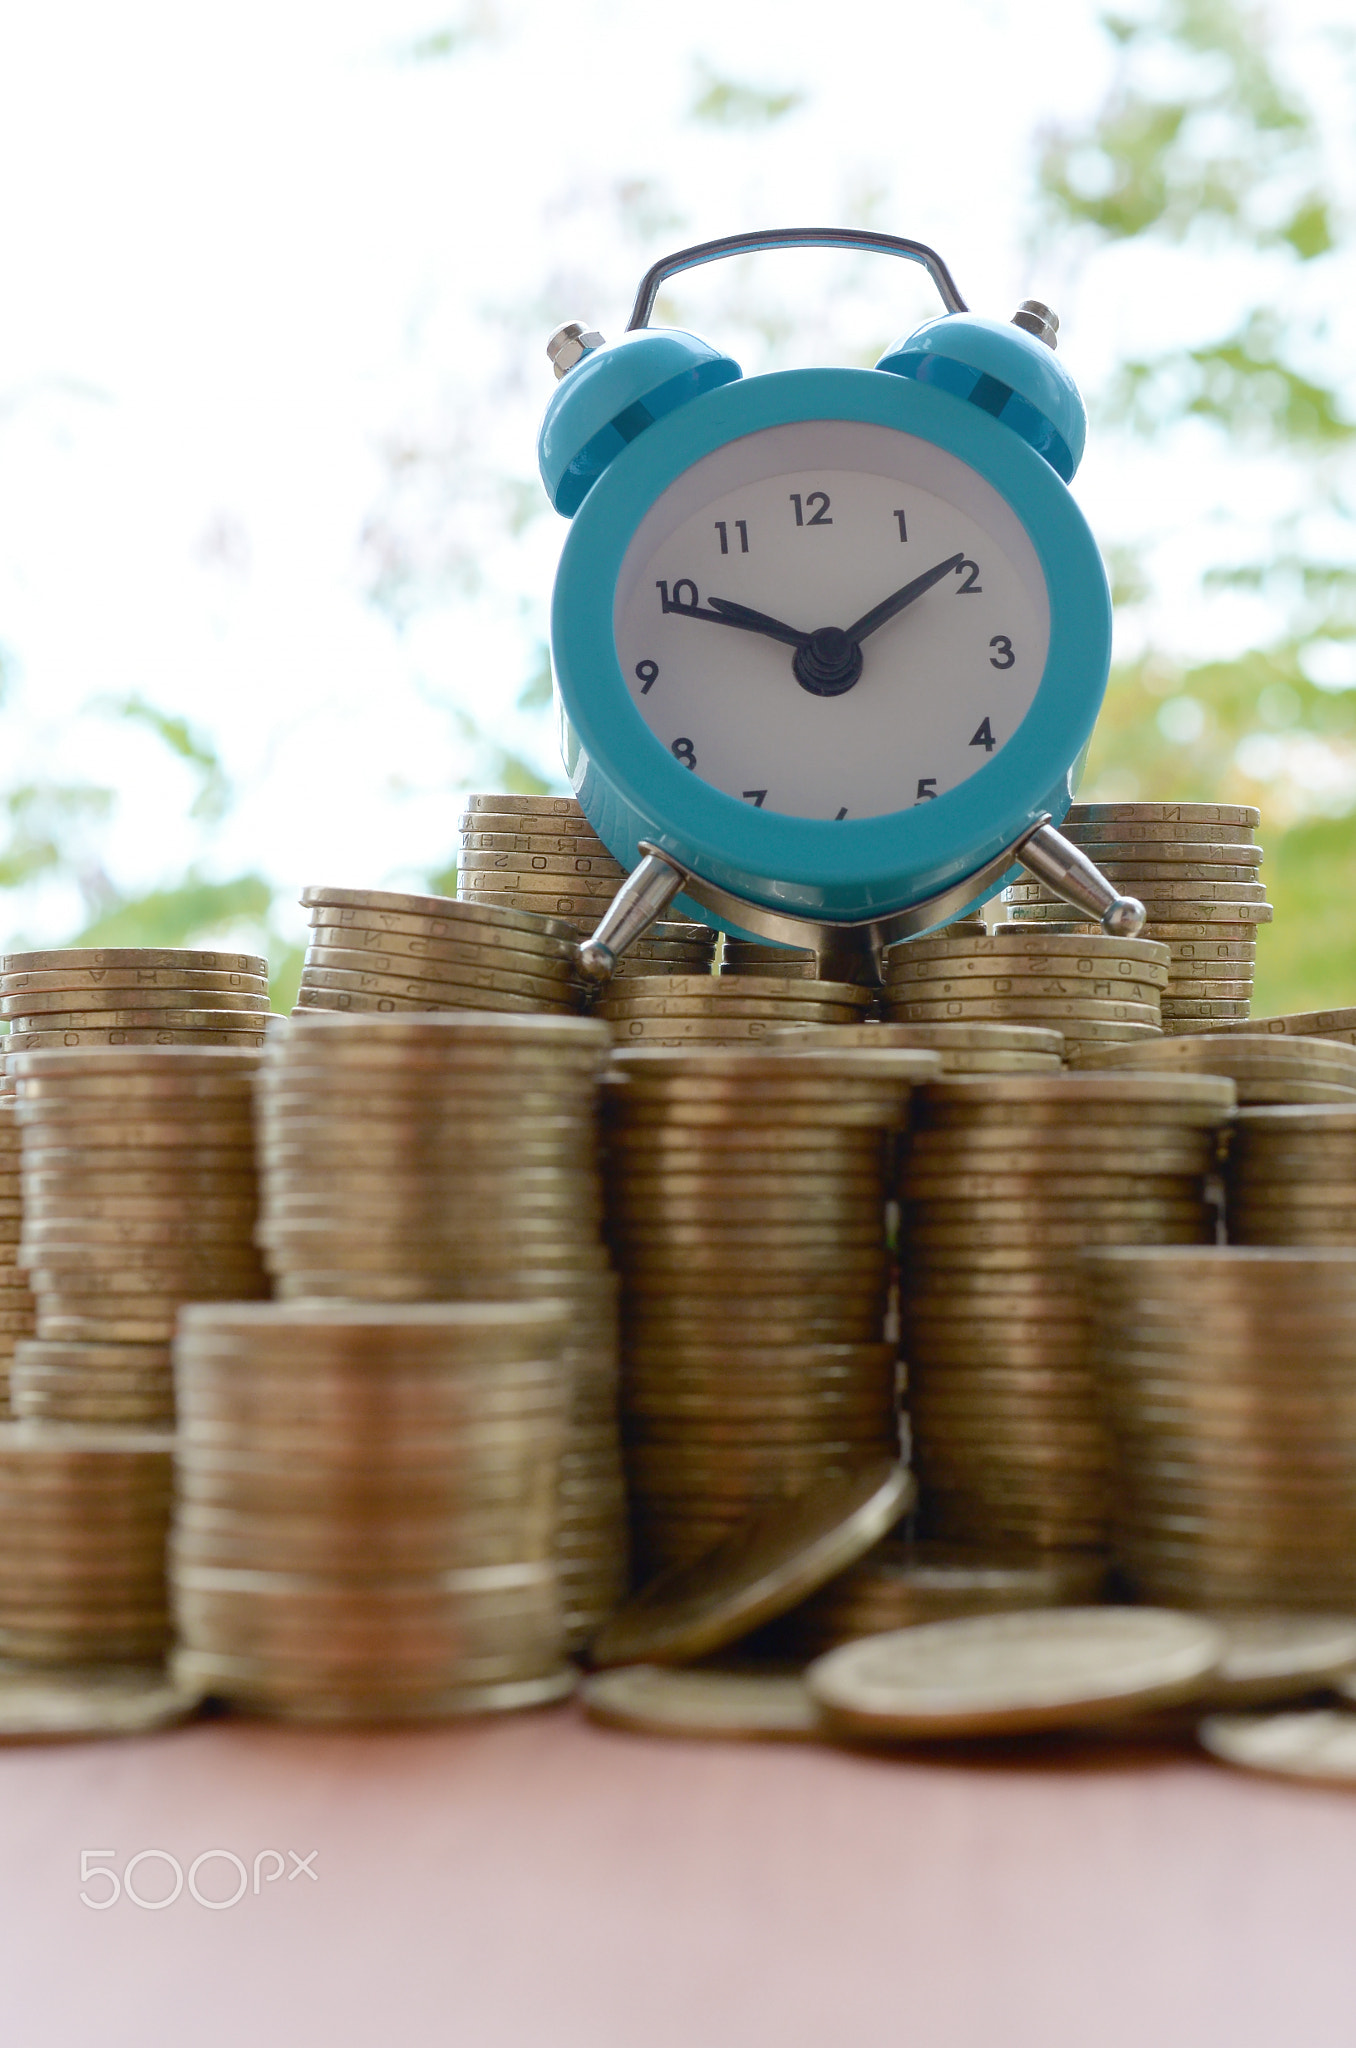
827, 662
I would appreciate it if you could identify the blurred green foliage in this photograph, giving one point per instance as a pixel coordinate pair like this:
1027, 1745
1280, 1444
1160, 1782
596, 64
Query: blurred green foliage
1199, 142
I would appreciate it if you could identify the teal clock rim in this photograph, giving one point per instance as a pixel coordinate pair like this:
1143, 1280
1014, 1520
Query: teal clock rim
864, 865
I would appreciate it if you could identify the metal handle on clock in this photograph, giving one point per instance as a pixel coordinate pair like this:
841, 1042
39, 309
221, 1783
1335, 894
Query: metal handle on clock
792, 238
1066, 869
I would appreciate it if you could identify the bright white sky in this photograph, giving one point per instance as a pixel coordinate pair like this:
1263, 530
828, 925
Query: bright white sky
248, 250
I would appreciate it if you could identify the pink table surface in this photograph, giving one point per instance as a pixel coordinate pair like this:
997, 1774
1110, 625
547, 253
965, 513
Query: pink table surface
538, 1883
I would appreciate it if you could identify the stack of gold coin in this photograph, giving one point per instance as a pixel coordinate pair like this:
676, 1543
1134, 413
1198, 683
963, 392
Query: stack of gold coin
962, 1048
1005, 1181
376, 951
1264, 1069
744, 956
904, 1581
1195, 869
1290, 1177
669, 948
746, 1196
1225, 1376
682, 1010
1335, 1024
83, 1519
536, 853
132, 995
365, 1518
1094, 989
454, 1157
16, 1297
139, 1195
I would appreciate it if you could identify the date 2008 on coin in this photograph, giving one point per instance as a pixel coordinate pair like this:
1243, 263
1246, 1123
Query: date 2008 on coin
153, 1879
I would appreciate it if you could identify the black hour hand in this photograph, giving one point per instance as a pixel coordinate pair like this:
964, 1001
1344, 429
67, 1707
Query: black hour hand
754, 622
889, 607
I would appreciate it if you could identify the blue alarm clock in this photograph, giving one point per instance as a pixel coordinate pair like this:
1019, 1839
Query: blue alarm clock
827, 644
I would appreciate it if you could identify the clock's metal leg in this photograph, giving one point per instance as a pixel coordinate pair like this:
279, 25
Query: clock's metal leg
645, 894
1063, 867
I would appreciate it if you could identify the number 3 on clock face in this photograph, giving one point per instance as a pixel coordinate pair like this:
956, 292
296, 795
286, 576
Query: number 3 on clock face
831, 619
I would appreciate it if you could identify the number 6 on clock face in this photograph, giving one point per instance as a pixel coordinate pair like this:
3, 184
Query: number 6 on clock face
883, 631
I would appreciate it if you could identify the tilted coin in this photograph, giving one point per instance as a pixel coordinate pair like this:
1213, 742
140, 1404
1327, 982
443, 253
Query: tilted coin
475, 945
364, 979
769, 1564
722, 1705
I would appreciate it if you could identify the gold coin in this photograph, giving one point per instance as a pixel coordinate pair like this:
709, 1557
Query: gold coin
1055, 1153
1022, 1100
1223, 996
567, 807
1024, 1189
1014, 1673
58, 1009
480, 946
1058, 1009
539, 869
1317, 1744
1198, 918
324, 988
452, 919
89, 959
176, 983
1128, 813
1092, 954
1170, 852
767, 1565
187, 1034
720, 1705
485, 834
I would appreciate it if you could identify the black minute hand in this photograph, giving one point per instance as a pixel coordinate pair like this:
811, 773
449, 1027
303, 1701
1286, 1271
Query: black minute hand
886, 610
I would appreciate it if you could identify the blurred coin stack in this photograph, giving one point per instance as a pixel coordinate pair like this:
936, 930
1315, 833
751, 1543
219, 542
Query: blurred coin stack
1290, 1177
962, 1048
455, 1158
1195, 869
17, 1309
84, 1515
746, 1201
1226, 1378
365, 1518
1334, 1024
1005, 1181
905, 1581
131, 995
1093, 989
139, 1196
374, 951
1263, 1069
715, 1010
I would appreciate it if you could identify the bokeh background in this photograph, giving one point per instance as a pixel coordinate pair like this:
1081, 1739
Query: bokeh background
274, 561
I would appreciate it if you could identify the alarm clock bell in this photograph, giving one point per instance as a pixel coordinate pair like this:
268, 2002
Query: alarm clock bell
610, 394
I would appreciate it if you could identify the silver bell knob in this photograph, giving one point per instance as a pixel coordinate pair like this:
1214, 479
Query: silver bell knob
570, 344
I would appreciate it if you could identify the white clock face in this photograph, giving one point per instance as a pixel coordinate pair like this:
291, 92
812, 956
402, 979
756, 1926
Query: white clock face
831, 524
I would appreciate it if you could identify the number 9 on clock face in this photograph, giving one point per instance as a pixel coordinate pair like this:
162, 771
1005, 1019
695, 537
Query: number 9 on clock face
831, 619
